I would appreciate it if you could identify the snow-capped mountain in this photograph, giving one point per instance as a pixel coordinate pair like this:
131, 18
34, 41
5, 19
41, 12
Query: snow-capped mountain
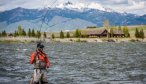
66, 16
83, 6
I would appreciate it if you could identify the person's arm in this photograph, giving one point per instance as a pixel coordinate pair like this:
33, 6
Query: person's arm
32, 60
48, 64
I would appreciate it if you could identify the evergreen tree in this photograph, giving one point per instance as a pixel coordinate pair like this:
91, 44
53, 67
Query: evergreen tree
45, 35
38, 34
68, 35
23, 33
0, 34
33, 33
142, 36
77, 33
61, 34
20, 30
4, 34
15, 34
29, 33
137, 34
53, 36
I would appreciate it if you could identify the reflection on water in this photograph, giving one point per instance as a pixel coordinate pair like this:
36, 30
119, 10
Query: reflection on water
77, 63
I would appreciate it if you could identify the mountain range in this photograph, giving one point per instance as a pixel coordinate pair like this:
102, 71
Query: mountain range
66, 16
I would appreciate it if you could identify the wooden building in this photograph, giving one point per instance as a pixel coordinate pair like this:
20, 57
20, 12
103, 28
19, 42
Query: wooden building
98, 33
94, 33
118, 33
102, 33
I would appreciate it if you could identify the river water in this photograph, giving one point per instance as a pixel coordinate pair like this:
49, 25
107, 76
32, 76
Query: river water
77, 63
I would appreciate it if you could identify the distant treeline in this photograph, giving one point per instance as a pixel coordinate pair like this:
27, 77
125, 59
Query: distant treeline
63, 35
139, 33
21, 32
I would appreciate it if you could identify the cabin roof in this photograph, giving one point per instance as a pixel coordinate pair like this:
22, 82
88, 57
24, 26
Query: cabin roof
118, 32
101, 31
96, 31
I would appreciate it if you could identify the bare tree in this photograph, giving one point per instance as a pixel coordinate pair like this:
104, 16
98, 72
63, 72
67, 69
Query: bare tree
106, 25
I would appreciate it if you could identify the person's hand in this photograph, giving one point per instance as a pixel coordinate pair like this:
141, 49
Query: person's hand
48, 66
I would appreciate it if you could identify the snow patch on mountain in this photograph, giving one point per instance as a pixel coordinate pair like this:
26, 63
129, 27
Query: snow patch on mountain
83, 6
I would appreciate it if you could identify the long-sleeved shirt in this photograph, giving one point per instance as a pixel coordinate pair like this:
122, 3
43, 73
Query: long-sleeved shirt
42, 56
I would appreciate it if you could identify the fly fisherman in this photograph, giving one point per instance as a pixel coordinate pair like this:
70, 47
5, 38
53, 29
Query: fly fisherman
41, 63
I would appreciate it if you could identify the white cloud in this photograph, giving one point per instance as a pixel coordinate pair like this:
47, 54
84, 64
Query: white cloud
131, 6
135, 5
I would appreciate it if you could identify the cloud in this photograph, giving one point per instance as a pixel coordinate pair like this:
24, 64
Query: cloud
135, 5
131, 6
10, 4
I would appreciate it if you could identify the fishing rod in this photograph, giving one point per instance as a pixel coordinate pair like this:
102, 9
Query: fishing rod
43, 18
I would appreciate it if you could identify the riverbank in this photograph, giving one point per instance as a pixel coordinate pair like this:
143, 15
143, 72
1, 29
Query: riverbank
118, 40
21, 39
31, 40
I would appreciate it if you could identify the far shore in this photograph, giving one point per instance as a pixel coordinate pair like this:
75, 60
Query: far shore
19, 39
94, 40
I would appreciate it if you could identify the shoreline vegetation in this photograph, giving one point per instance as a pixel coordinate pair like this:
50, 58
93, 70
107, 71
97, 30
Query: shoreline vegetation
72, 40
106, 33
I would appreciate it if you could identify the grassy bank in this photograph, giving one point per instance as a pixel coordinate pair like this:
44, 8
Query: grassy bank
33, 40
18, 39
99, 40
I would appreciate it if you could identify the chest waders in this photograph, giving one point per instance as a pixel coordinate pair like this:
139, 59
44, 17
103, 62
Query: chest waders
39, 67
39, 64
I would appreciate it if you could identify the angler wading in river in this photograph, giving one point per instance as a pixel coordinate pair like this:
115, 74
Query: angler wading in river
41, 63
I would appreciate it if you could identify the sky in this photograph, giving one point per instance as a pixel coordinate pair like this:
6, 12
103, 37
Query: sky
130, 6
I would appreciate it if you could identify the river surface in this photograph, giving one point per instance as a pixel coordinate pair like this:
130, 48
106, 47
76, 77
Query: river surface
77, 63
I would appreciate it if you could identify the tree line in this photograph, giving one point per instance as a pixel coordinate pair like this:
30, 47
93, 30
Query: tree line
21, 32
78, 34
31, 32
63, 35
139, 33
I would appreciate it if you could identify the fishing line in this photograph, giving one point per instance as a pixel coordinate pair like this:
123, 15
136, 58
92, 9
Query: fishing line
57, 24
43, 18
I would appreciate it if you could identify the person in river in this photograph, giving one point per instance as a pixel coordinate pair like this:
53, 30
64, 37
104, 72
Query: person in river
41, 63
